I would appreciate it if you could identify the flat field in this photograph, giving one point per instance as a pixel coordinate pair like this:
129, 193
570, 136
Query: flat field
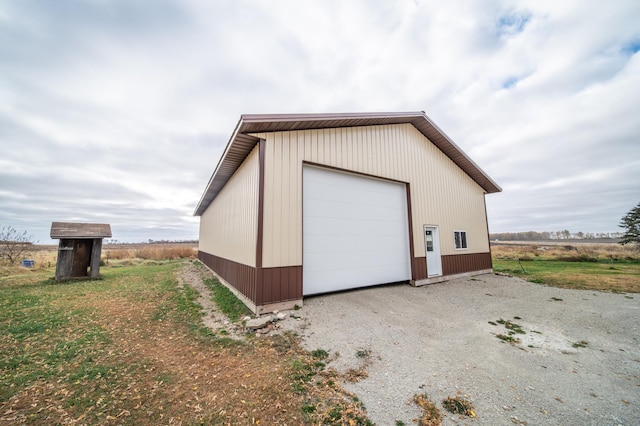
606, 267
112, 254
131, 348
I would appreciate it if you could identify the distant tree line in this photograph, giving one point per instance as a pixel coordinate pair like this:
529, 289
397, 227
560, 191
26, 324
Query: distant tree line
150, 241
564, 234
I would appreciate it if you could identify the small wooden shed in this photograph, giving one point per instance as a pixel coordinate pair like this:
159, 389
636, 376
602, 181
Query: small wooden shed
79, 248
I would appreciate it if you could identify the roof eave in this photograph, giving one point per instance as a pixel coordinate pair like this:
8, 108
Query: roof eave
250, 124
79, 230
208, 195
482, 179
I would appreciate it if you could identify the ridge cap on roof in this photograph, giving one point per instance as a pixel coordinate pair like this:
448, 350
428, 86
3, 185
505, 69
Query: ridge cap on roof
326, 116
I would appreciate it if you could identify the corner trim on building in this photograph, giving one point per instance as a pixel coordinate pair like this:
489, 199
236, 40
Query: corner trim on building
411, 247
260, 231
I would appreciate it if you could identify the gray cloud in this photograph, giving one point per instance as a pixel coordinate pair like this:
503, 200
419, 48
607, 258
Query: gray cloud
118, 111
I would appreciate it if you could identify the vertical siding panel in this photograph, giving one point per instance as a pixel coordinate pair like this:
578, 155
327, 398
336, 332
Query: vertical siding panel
295, 194
335, 158
277, 201
370, 151
392, 143
319, 142
355, 149
366, 144
362, 154
329, 135
326, 146
396, 152
237, 207
270, 214
350, 149
318, 136
344, 144
373, 143
388, 157
267, 286
376, 160
285, 203
276, 289
299, 283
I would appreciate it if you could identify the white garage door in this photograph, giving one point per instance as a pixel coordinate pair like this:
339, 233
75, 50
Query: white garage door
355, 231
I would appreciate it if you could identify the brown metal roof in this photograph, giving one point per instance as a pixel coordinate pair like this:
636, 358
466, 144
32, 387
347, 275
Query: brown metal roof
80, 230
241, 143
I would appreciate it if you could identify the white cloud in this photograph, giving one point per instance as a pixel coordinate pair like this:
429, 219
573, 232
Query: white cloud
120, 110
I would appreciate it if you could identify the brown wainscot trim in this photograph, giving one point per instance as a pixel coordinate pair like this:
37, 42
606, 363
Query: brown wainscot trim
453, 266
281, 284
461, 263
280, 288
418, 268
239, 276
410, 230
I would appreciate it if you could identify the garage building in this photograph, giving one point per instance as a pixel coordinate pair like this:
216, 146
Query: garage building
303, 204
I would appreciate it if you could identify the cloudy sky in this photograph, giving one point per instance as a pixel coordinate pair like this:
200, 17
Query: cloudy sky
117, 111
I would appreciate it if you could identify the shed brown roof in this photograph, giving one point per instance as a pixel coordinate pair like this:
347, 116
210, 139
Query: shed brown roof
241, 142
80, 230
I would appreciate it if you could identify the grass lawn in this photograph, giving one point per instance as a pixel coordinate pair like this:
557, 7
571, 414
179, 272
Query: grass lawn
616, 276
130, 349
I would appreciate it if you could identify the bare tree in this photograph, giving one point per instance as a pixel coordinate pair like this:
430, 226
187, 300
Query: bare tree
14, 244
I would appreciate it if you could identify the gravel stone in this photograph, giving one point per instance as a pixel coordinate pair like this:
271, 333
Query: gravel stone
437, 339
258, 323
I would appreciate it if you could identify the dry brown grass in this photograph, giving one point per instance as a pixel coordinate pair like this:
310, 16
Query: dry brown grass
604, 267
170, 253
431, 415
45, 256
129, 349
566, 252
150, 252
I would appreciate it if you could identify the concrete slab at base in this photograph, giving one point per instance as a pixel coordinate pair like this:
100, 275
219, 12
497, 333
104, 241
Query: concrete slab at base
440, 279
279, 306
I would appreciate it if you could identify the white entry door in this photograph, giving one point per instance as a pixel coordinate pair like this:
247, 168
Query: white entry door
432, 247
355, 231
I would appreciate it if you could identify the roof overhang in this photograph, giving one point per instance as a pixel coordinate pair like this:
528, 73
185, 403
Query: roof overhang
80, 230
242, 142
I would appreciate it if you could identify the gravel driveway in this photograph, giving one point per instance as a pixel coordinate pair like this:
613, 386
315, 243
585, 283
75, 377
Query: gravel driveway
438, 339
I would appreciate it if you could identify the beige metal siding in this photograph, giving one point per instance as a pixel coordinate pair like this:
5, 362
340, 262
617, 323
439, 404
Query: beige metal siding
441, 193
229, 226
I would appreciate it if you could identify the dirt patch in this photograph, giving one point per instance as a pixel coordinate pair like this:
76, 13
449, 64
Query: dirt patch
317, 390
151, 368
193, 276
